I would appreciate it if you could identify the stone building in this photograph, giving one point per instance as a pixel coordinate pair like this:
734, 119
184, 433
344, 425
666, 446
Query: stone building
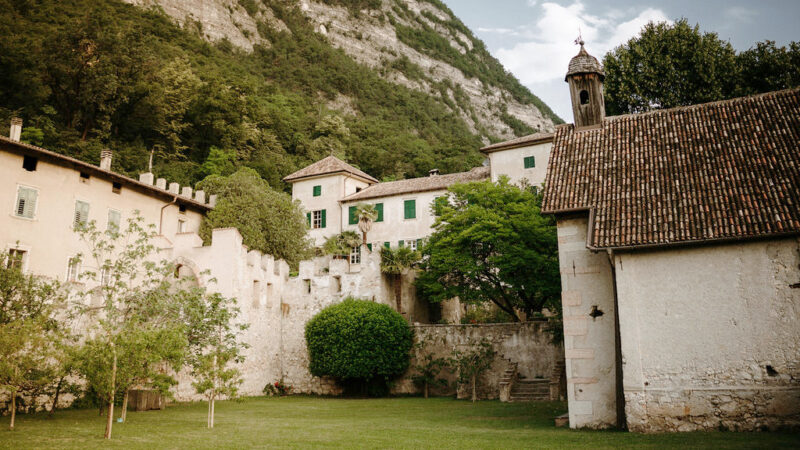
680, 260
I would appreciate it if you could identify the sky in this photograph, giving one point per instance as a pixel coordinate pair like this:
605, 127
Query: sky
534, 39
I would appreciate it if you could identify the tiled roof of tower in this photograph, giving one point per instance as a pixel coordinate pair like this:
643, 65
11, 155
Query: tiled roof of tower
716, 171
423, 184
583, 62
327, 166
530, 139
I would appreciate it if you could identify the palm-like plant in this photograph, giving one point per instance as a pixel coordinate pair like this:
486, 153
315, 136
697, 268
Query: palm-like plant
367, 214
341, 244
393, 263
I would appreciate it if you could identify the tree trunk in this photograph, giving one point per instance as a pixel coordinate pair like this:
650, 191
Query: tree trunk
208, 414
13, 409
124, 413
474, 395
213, 398
426, 389
364, 234
110, 414
398, 291
55, 397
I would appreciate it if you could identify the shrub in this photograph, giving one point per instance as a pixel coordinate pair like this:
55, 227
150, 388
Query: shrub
358, 340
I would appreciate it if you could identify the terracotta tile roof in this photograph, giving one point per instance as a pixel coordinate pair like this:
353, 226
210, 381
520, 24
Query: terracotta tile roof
716, 171
423, 184
327, 166
9, 145
583, 62
530, 139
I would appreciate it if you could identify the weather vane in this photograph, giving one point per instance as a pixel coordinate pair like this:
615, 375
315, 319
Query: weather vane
579, 40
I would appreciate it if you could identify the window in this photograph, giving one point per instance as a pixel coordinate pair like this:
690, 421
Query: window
529, 162
355, 255
401, 243
16, 258
307, 282
379, 208
116, 188
316, 218
584, 97
369, 246
29, 163
182, 209
410, 209
412, 244
317, 190
337, 284
181, 226
353, 217
105, 274
256, 294
73, 269
114, 217
26, 202
81, 214
84, 177
387, 244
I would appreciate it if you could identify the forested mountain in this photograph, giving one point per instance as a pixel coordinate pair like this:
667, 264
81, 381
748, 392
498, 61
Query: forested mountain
396, 87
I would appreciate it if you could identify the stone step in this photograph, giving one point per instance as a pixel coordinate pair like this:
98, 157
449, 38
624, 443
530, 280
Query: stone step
529, 399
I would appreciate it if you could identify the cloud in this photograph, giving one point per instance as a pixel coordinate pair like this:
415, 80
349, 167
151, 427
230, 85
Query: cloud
503, 31
548, 44
740, 14
532, 3
540, 57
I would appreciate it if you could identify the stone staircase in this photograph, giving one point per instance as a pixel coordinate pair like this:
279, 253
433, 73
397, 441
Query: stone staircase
535, 390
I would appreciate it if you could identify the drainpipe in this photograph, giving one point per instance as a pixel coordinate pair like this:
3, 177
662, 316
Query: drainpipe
161, 219
620, 393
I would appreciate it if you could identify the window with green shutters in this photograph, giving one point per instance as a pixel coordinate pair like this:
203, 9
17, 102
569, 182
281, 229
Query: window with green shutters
352, 215
530, 161
26, 202
317, 190
323, 224
114, 217
369, 246
81, 214
316, 219
387, 244
379, 208
410, 209
401, 243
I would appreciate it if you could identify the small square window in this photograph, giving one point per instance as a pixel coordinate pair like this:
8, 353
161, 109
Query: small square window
116, 188
84, 177
412, 244
182, 209
529, 162
318, 218
355, 255
317, 190
29, 163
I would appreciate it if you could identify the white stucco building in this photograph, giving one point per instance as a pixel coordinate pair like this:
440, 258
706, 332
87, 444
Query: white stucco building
679, 250
45, 194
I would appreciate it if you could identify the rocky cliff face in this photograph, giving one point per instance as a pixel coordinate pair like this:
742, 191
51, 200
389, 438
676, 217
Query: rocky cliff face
415, 43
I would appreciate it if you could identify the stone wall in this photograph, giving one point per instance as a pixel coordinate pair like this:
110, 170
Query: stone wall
710, 336
528, 343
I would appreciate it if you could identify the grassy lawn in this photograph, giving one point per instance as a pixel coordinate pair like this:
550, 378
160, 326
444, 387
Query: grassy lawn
331, 422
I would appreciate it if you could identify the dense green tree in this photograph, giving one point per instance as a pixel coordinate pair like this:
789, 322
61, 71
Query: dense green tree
766, 67
358, 340
667, 66
491, 244
268, 219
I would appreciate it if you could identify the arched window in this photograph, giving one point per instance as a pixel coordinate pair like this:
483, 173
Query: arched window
584, 95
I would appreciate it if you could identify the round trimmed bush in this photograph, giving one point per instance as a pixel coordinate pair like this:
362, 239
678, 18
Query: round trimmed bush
358, 340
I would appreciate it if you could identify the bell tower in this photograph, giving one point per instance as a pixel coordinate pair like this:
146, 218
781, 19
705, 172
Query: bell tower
585, 77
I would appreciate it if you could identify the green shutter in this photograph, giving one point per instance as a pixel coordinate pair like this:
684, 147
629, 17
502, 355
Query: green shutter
401, 243
410, 209
379, 208
530, 161
387, 244
26, 202
353, 217
419, 243
323, 218
369, 246
81, 214
317, 190
308, 218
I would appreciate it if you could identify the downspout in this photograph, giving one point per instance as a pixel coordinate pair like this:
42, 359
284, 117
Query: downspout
161, 218
620, 393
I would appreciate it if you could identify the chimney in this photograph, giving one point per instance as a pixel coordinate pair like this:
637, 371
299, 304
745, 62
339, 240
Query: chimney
16, 129
105, 159
433, 172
